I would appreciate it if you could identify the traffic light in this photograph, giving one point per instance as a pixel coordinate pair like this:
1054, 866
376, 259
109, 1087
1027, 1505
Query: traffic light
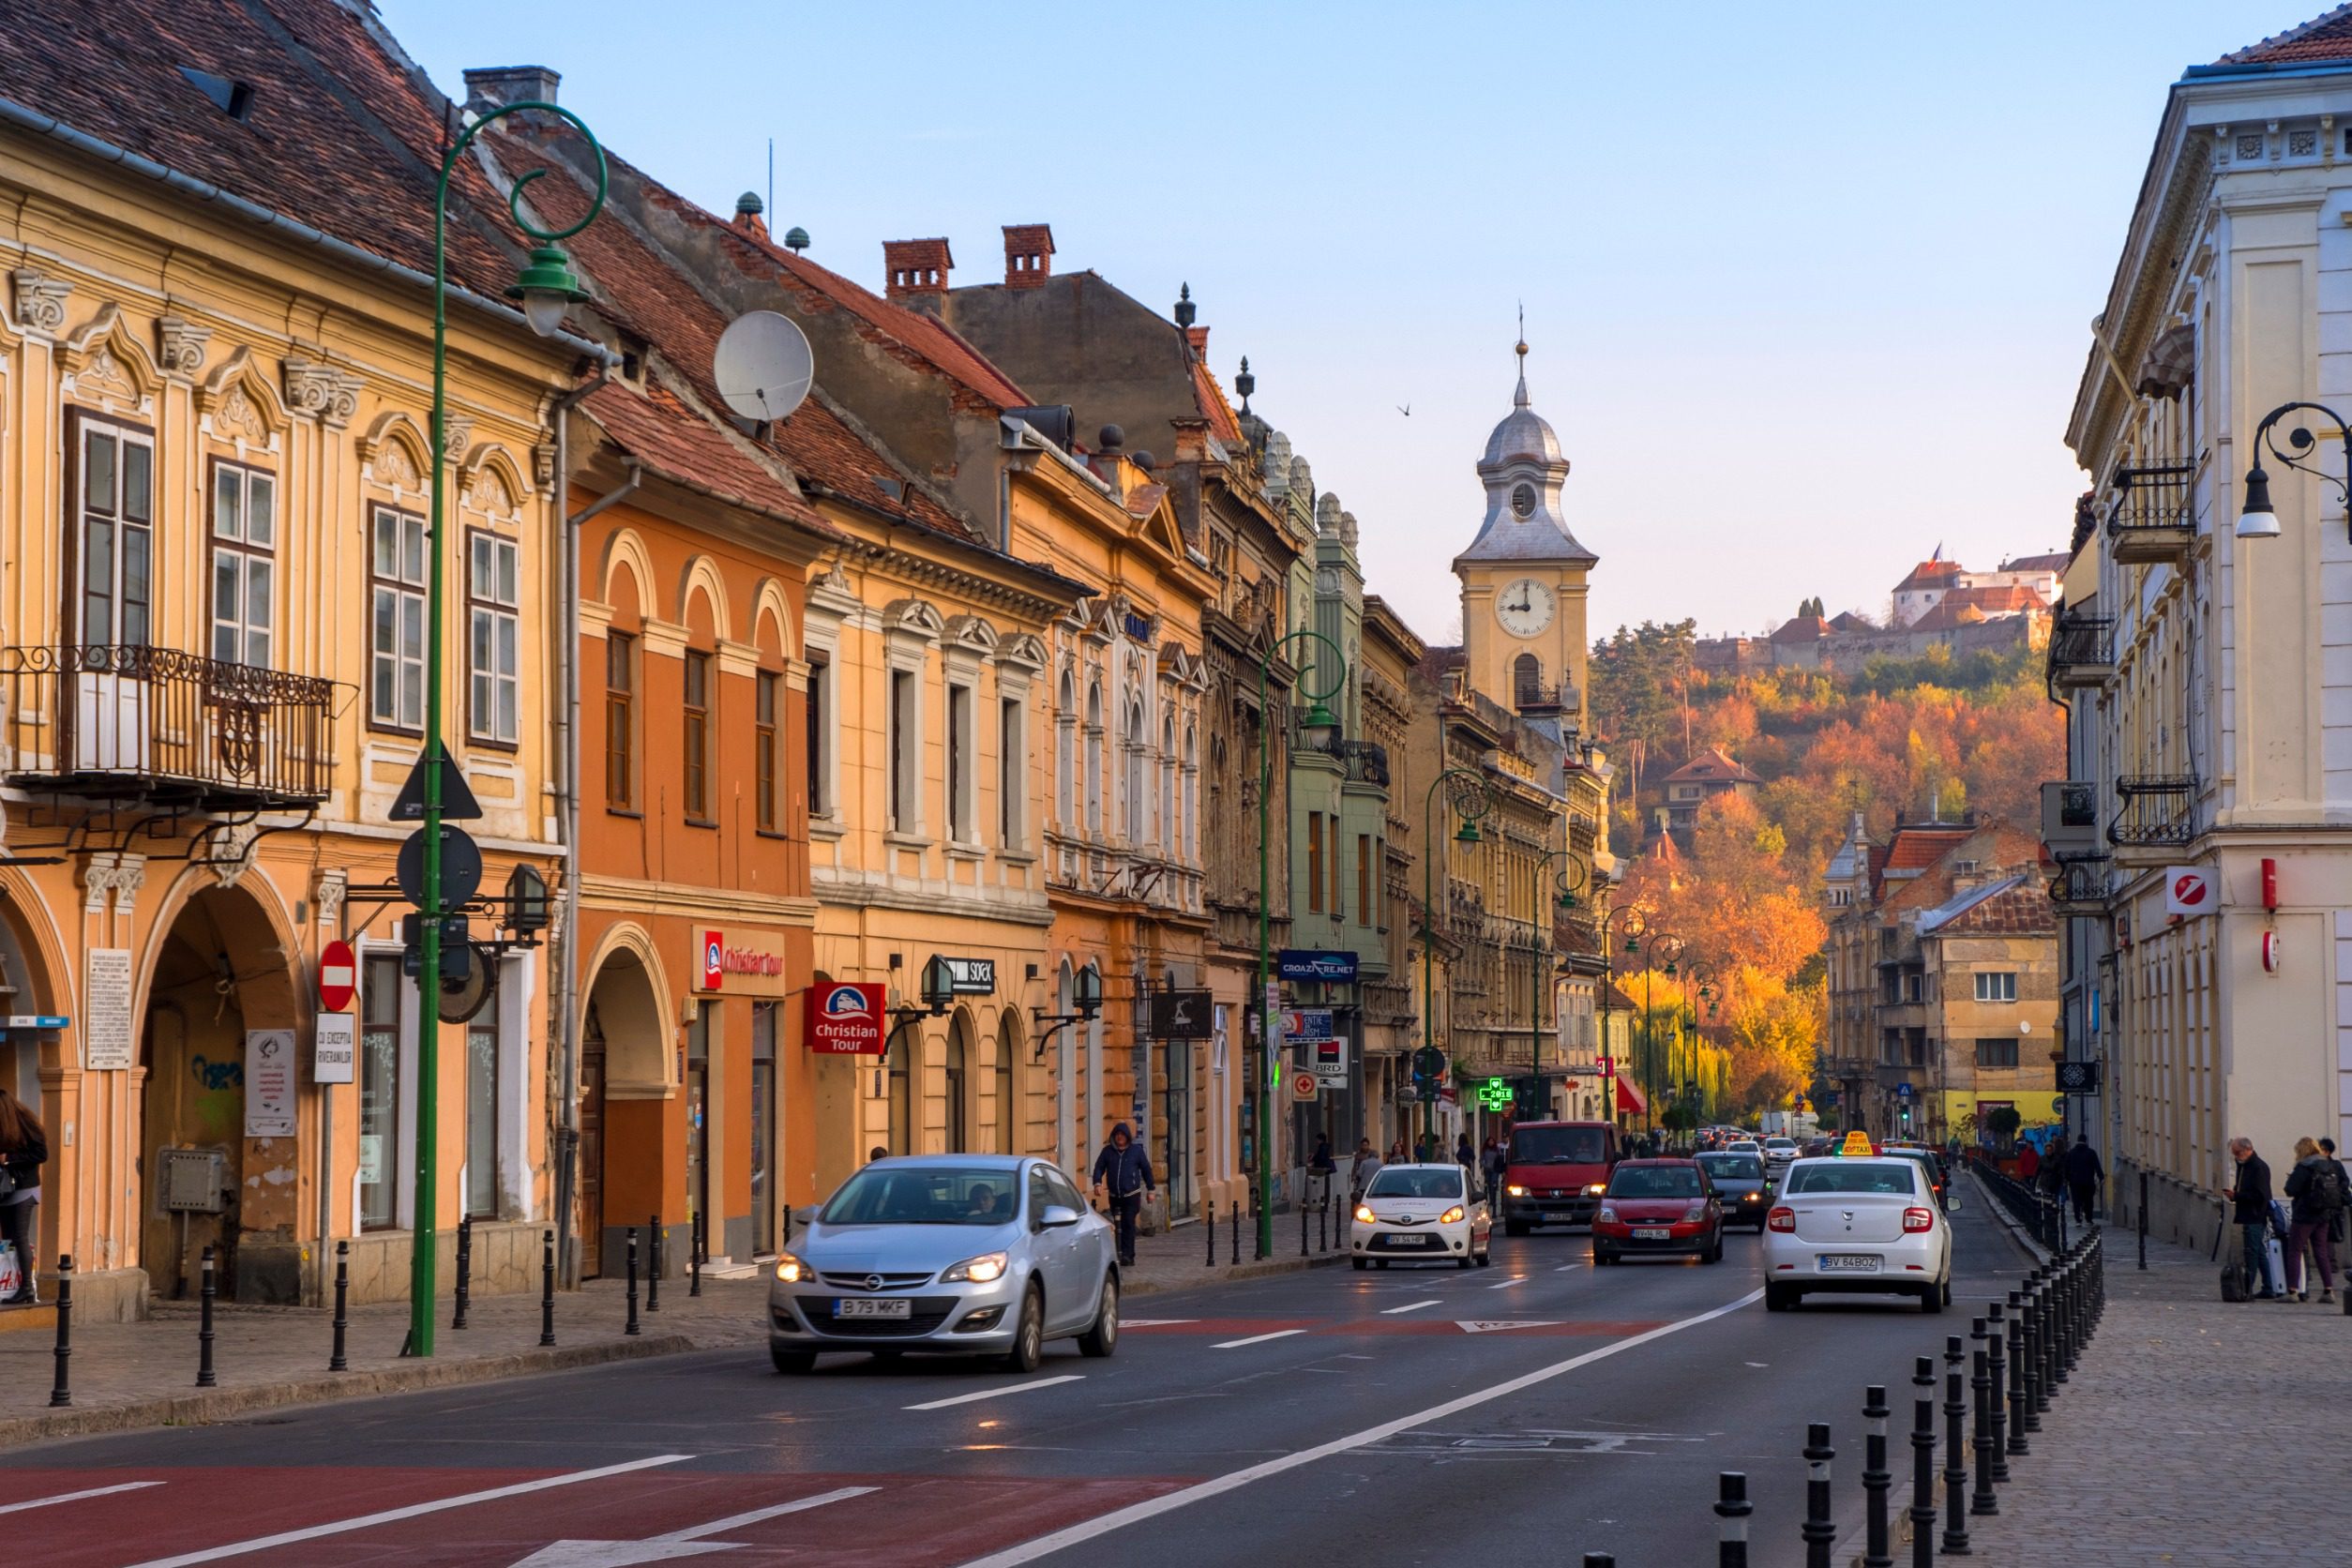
1903, 1112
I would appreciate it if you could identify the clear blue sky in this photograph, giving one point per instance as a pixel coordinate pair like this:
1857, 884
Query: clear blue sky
1808, 285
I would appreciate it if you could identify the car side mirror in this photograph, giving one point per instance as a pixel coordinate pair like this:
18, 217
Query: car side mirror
1056, 1217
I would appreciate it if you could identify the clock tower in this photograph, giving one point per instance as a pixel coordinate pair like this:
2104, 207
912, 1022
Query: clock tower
1523, 577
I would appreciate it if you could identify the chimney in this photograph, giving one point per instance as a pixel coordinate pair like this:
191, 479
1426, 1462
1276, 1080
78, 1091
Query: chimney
1199, 337
747, 218
1028, 254
496, 87
915, 269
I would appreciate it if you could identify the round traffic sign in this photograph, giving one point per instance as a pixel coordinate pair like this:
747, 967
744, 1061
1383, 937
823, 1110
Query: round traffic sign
1303, 1086
339, 976
460, 867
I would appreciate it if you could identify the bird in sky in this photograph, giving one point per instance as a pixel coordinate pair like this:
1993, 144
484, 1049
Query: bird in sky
1404, 409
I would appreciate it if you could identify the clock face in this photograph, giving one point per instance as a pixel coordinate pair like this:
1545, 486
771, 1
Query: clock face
1524, 608
1523, 501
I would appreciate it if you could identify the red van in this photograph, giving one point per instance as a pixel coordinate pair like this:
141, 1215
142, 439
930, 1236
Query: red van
1556, 1173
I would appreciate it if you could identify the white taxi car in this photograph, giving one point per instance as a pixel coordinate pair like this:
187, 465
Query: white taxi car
1420, 1214
1853, 1225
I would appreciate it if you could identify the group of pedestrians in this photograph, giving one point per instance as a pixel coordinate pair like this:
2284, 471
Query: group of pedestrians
2310, 1222
2073, 1171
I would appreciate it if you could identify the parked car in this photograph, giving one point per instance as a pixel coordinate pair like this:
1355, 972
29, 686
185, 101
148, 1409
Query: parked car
1931, 1159
1858, 1225
1741, 1185
1554, 1173
1658, 1206
1420, 1213
968, 1254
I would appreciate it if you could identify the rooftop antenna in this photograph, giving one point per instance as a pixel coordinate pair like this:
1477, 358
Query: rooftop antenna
771, 174
763, 366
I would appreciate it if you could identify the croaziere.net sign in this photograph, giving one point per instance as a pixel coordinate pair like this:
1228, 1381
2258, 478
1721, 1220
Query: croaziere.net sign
845, 1018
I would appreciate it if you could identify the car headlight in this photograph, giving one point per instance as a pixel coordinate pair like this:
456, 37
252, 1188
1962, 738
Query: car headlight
1595, 1189
1365, 1213
1607, 1217
1516, 1192
791, 1271
987, 1267
1453, 1215
1696, 1213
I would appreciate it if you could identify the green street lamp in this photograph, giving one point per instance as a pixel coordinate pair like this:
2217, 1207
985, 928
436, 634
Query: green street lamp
545, 289
1570, 878
1470, 799
1668, 945
1318, 717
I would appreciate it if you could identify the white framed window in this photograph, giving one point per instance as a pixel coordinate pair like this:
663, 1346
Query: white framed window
1012, 772
493, 601
820, 738
1192, 795
961, 806
114, 535
396, 684
244, 566
1135, 808
1094, 742
1066, 754
1997, 985
1164, 832
905, 751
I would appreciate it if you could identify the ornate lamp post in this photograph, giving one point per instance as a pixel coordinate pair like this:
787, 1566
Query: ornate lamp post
1470, 800
1269, 1031
1633, 926
545, 289
2255, 520
1569, 882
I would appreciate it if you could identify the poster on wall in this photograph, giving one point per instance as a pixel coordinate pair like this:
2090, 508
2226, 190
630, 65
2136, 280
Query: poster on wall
269, 1083
335, 1050
106, 1040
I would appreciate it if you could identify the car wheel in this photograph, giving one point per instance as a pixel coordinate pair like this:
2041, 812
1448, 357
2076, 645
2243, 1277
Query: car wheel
1515, 1228
1779, 1298
1028, 1337
1930, 1298
792, 1362
1947, 1289
1361, 1263
1103, 1337
1487, 1257
1713, 1253
1464, 1262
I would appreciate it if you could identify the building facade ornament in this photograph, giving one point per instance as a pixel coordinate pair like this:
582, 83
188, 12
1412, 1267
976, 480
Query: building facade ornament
114, 872
321, 391
232, 853
41, 302
180, 345
332, 888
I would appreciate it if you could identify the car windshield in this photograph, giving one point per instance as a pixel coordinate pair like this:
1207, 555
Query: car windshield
925, 1194
1417, 1181
1746, 1146
1732, 1168
1779, 1143
1835, 1176
1558, 1146
1654, 1180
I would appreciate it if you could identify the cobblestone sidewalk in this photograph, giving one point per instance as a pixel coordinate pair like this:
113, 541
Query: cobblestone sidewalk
128, 1375
2188, 1432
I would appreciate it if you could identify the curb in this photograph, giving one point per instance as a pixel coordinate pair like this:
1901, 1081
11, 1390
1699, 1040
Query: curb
2017, 1233
217, 1404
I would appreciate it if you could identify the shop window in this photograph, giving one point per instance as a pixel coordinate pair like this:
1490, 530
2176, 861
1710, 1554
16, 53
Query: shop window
381, 991
484, 1157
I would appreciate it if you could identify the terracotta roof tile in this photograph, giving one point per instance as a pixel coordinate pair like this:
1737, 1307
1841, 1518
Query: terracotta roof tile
1711, 761
2326, 37
683, 447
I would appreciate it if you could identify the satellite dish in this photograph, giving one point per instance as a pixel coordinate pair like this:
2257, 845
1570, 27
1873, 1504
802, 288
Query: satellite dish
763, 366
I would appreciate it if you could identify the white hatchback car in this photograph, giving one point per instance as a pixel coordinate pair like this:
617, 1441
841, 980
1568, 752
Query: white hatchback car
1420, 1214
1869, 1225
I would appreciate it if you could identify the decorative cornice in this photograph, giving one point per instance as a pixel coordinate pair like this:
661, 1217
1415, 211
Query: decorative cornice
180, 345
635, 896
321, 392
40, 303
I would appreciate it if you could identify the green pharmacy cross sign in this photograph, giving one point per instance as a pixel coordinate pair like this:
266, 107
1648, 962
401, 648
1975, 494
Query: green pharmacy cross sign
1497, 1094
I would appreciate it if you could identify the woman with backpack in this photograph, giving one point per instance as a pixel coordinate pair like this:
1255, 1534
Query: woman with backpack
2316, 1191
23, 1150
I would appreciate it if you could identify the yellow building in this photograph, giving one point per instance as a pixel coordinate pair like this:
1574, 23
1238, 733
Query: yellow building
214, 389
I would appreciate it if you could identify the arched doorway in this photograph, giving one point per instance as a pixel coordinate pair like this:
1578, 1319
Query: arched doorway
221, 976
624, 1086
904, 1041
959, 1084
24, 989
1008, 1104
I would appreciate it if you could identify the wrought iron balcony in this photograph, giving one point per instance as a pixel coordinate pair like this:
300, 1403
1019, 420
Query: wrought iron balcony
2082, 650
2154, 811
1545, 696
2151, 521
2080, 885
2069, 815
1366, 761
135, 723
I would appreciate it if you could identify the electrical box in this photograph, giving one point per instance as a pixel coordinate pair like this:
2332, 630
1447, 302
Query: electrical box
194, 1180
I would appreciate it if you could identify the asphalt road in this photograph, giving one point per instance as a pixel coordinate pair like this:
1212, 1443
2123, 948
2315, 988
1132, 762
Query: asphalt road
1524, 1414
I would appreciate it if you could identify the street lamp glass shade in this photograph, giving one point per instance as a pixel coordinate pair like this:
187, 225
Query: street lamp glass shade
1469, 834
2255, 520
546, 289
1633, 944
1086, 991
526, 902
939, 985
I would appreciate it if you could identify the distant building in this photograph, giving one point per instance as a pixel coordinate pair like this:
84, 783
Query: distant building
1925, 588
1706, 777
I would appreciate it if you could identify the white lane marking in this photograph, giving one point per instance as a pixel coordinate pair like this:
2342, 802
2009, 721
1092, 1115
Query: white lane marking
75, 1497
1515, 1279
1565, 1267
1154, 1322
1497, 1325
618, 1554
997, 1392
740, 1521
1408, 1306
414, 1510
1256, 1339
1136, 1512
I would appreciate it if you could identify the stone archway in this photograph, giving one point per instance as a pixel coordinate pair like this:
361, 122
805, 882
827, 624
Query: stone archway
625, 1082
223, 972
26, 987
1005, 1069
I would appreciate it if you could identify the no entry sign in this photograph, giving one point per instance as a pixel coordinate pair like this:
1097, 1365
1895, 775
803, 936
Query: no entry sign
339, 977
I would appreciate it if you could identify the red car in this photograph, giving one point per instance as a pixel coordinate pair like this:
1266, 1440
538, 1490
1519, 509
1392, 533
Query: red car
1658, 1206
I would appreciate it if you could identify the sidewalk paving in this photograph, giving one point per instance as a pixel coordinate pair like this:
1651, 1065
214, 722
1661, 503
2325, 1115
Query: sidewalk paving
2188, 1432
136, 1375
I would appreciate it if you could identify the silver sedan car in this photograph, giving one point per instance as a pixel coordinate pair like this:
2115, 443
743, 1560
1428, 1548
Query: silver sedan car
970, 1254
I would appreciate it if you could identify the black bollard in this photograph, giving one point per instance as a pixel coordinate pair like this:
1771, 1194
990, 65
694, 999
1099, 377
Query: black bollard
1237, 1231
2053, 1333
1732, 1509
1955, 1542
1876, 1480
1981, 1500
694, 1259
1211, 1227
1997, 1353
2142, 1217
1821, 1528
1923, 1463
632, 1327
465, 1268
2061, 1323
2017, 1443
2042, 1349
335, 1361
653, 1270
1302, 1227
546, 1289
1600, 1559
204, 1378
1322, 1224
60, 1392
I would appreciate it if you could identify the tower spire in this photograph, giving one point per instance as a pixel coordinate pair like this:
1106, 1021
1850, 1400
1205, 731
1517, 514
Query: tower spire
1519, 399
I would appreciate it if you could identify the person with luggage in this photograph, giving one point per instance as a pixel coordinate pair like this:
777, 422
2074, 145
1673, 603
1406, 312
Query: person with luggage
2316, 1194
2249, 1196
23, 1150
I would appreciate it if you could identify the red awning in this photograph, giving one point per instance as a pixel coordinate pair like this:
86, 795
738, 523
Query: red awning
1629, 1098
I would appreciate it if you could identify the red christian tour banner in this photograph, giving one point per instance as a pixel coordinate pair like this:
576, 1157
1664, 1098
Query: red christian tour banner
845, 1018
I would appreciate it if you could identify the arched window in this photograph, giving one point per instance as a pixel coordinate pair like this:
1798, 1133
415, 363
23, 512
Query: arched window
1009, 1033
1095, 759
1136, 808
1192, 795
959, 1059
901, 1091
1527, 678
1065, 752
1163, 826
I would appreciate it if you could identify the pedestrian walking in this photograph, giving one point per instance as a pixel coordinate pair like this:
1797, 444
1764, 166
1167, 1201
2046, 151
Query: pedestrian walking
2249, 1196
1467, 1157
23, 1150
1321, 1168
2317, 1193
1367, 1165
1494, 1161
2028, 1164
2084, 1172
1122, 1173
2344, 1178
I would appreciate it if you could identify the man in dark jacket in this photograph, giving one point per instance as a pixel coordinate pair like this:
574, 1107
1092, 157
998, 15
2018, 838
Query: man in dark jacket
2250, 1207
2083, 1175
1123, 1171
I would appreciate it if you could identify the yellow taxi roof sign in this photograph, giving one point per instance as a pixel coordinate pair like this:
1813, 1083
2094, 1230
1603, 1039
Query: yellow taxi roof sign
1857, 1143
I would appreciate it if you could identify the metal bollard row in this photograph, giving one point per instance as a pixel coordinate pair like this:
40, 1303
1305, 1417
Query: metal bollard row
546, 1289
61, 1390
465, 1271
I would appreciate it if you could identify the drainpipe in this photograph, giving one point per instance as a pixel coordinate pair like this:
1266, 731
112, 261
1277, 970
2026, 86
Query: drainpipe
567, 983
